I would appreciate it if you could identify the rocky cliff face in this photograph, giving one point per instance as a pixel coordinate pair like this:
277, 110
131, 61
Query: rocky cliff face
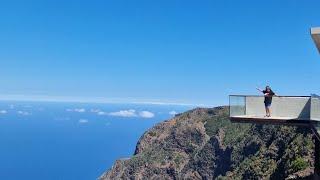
204, 144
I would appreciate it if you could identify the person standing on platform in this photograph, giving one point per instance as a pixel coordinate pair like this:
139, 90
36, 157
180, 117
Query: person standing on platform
268, 94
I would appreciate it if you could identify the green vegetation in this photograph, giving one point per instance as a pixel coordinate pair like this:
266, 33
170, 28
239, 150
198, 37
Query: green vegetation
153, 134
262, 151
234, 132
299, 164
204, 144
178, 159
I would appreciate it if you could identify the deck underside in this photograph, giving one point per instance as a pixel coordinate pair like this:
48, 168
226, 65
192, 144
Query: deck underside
271, 120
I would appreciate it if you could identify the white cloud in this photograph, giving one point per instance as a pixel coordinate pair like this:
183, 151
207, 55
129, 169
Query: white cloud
124, 113
24, 113
146, 114
101, 113
3, 112
173, 113
95, 110
83, 121
62, 118
130, 113
79, 110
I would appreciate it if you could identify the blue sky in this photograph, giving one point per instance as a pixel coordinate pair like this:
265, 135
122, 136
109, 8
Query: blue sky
194, 52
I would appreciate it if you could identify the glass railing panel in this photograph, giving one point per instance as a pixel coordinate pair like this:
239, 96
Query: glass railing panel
237, 105
315, 108
255, 106
292, 107
283, 107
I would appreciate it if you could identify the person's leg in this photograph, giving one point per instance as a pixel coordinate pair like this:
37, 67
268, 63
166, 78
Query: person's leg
266, 108
269, 110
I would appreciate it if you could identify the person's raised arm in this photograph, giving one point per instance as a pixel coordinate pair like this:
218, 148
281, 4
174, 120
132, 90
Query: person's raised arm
259, 89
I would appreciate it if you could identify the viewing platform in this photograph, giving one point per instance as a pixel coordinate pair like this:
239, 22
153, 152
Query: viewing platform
285, 110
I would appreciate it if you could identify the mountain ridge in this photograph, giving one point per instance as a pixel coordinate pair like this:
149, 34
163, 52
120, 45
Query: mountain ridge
203, 144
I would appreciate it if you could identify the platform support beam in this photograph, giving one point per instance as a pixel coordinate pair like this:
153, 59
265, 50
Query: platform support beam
316, 156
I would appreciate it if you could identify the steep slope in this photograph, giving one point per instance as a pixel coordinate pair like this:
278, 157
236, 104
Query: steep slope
204, 144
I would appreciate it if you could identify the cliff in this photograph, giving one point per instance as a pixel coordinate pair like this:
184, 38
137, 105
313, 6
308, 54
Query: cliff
204, 144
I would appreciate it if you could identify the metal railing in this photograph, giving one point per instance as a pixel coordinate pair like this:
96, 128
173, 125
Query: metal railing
290, 107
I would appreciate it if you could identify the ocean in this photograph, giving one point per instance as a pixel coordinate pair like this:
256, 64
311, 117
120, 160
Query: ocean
57, 141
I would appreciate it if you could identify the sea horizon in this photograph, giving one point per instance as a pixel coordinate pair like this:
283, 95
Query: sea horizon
59, 140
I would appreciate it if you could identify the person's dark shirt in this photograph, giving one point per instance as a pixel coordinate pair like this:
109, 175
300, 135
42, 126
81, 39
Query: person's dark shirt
268, 98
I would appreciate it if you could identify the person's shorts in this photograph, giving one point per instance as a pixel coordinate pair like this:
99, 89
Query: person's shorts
267, 105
